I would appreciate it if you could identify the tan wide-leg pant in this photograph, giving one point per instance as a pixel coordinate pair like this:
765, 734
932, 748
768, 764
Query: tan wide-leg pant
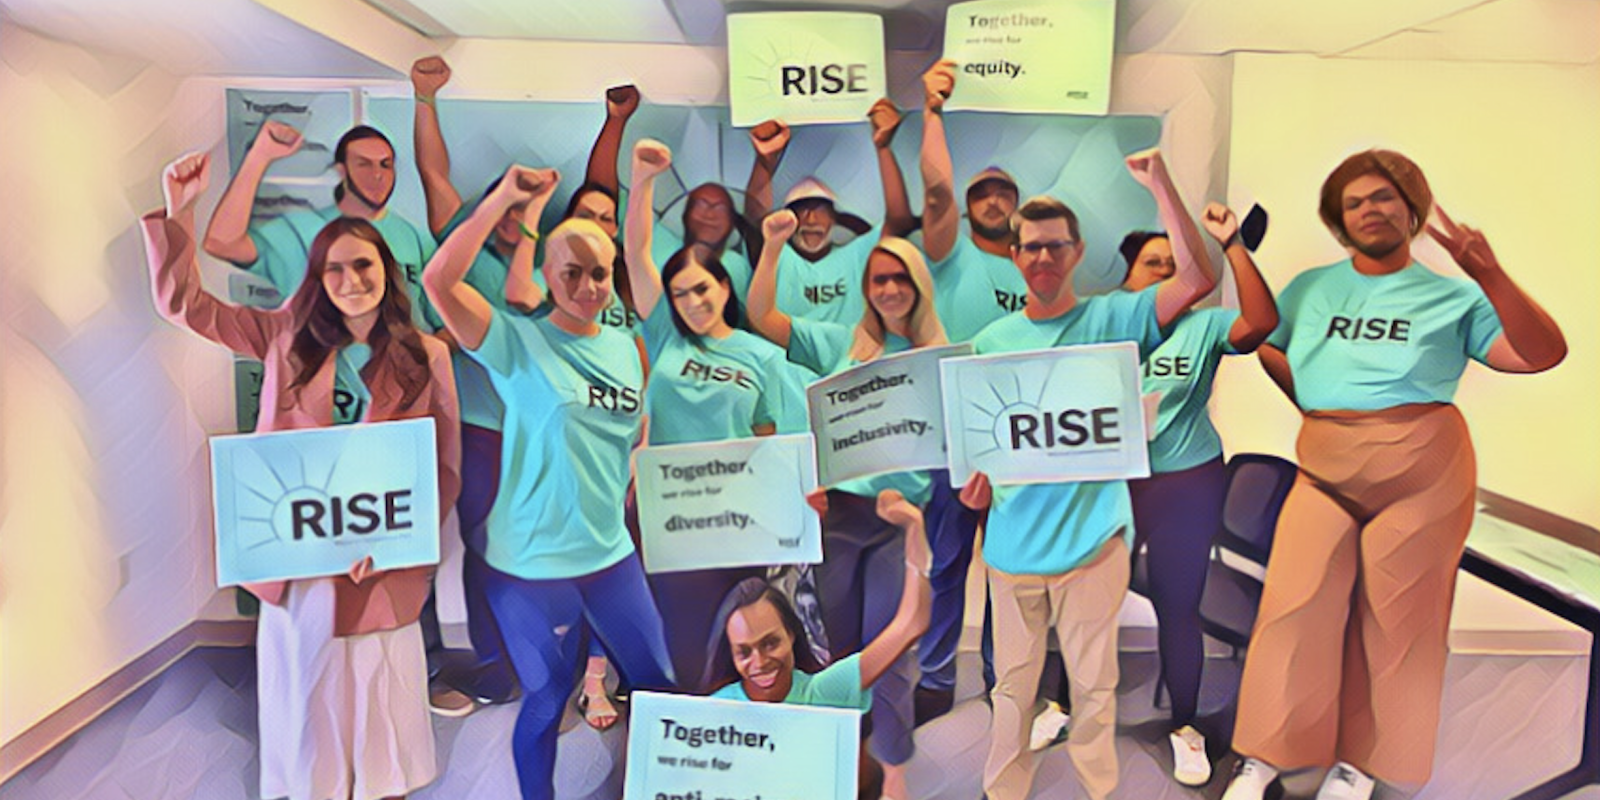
1082, 606
1348, 655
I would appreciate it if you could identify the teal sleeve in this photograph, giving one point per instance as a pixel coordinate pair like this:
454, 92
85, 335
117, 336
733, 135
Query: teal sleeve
280, 255
1288, 305
1481, 326
789, 381
1143, 323
816, 345
502, 351
426, 247
839, 685
1222, 320
657, 329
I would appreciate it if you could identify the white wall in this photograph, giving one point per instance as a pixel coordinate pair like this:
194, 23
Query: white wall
1508, 148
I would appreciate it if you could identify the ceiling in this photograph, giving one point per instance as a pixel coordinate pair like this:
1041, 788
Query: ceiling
250, 37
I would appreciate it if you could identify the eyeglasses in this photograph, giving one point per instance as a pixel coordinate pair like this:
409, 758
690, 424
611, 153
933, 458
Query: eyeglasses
1055, 248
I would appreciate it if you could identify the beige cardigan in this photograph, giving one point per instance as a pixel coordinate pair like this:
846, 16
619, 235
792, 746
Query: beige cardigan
385, 600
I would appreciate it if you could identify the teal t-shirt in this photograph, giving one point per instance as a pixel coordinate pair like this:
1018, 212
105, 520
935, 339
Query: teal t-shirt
480, 404
972, 288
828, 289
1183, 369
824, 348
1369, 342
663, 243
713, 389
573, 412
351, 397
1053, 528
837, 686
283, 246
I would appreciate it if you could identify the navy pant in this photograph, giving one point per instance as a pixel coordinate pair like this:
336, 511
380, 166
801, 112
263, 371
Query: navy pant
859, 583
546, 624
1176, 515
951, 527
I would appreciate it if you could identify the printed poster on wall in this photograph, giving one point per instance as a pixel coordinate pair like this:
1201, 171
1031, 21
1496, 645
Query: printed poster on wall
883, 416
321, 117
734, 503
1047, 416
308, 503
705, 748
1031, 56
804, 66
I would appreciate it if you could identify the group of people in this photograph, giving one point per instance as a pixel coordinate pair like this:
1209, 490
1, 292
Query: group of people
546, 357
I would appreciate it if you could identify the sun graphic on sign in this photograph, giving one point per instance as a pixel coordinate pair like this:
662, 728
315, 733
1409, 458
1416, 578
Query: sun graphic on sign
990, 415
265, 493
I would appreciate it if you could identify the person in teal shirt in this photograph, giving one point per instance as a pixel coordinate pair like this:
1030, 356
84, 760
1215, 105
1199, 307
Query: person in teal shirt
819, 277
762, 656
1347, 659
1178, 509
857, 580
710, 382
490, 681
1057, 552
562, 564
277, 249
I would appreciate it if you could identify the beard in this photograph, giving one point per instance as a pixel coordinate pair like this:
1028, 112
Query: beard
996, 233
375, 205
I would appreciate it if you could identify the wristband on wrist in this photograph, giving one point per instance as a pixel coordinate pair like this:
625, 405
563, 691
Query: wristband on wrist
528, 232
916, 569
427, 100
1232, 240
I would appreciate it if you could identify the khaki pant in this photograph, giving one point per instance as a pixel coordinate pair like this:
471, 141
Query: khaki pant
1082, 605
1348, 655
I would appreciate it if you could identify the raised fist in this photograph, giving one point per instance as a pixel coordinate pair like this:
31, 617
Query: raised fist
937, 84
779, 225
1220, 222
885, 119
183, 181
277, 140
622, 101
650, 158
428, 76
1145, 166
770, 138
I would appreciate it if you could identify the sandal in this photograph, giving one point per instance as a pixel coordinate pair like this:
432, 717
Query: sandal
595, 705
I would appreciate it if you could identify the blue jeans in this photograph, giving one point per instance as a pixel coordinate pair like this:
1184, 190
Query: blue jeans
951, 527
859, 583
546, 624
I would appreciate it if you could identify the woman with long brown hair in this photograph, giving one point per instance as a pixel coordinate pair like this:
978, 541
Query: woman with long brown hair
341, 676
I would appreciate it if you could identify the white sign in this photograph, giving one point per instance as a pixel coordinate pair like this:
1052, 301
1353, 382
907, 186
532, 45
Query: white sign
733, 503
1047, 416
309, 503
699, 748
804, 66
1031, 56
882, 416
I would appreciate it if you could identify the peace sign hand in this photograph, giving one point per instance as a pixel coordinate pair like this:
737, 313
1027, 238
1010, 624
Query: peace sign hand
1466, 245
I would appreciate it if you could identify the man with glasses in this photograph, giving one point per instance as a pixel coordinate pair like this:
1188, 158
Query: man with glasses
1057, 553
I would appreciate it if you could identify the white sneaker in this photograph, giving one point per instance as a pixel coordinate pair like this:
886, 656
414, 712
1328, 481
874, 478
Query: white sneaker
1345, 782
1048, 726
1190, 766
1250, 780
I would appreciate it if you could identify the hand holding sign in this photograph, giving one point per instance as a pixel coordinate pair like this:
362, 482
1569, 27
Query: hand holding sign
277, 140
770, 138
428, 76
650, 158
1220, 222
183, 181
885, 119
361, 570
622, 101
977, 494
937, 84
